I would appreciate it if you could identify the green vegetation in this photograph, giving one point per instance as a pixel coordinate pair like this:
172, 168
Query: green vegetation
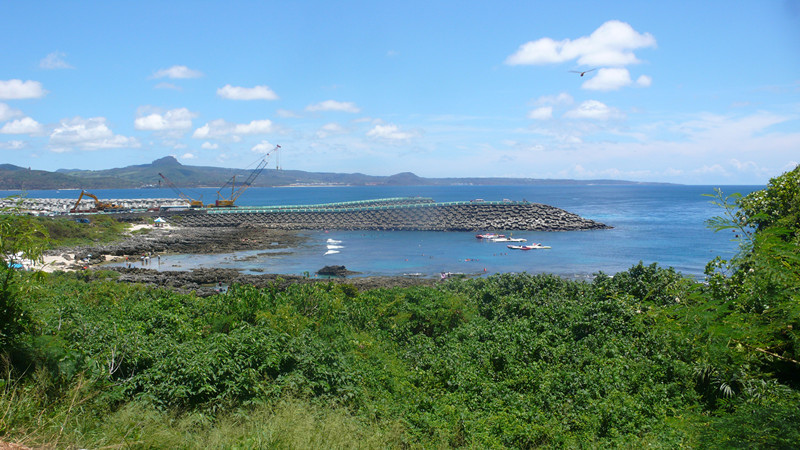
55, 232
645, 357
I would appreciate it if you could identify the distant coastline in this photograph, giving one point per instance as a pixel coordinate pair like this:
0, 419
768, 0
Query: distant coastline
148, 176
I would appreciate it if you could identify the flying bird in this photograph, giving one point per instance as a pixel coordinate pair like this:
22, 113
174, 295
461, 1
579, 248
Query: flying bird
583, 72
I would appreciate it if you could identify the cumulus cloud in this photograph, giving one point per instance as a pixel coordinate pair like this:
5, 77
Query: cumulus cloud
541, 113
242, 93
390, 131
608, 80
18, 90
221, 128
333, 105
177, 72
644, 81
594, 110
89, 134
26, 125
54, 61
263, 147
188, 156
7, 112
612, 44
209, 146
172, 120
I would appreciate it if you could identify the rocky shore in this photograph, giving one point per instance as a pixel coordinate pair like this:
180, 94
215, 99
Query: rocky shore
151, 242
206, 282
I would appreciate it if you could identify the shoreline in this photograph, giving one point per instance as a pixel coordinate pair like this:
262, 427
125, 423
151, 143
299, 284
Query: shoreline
201, 240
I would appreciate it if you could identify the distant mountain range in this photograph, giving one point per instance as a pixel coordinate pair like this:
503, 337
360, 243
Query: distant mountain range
147, 175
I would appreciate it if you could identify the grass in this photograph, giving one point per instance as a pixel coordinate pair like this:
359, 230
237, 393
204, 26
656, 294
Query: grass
72, 422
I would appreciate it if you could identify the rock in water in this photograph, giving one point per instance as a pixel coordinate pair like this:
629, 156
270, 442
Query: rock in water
334, 271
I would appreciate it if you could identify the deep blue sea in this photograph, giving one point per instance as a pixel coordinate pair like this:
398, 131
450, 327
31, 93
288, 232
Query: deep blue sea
652, 223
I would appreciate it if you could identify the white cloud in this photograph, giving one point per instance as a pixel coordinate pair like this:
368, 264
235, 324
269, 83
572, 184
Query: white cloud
715, 169
26, 125
242, 93
644, 81
7, 112
187, 156
12, 145
209, 146
263, 147
175, 119
555, 100
255, 127
612, 44
90, 134
542, 113
333, 105
330, 129
744, 166
55, 60
220, 128
389, 131
608, 80
178, 72
18, 89
592, 109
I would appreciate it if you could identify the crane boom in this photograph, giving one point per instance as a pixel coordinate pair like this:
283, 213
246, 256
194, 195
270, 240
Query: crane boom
192, 203
236, 192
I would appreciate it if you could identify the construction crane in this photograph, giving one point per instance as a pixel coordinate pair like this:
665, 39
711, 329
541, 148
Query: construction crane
192, 202
98, 205
228, 202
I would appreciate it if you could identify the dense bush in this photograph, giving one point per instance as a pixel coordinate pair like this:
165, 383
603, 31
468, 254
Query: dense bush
644, 357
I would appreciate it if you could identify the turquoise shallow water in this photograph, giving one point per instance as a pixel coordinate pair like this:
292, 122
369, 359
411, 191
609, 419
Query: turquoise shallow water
664, 224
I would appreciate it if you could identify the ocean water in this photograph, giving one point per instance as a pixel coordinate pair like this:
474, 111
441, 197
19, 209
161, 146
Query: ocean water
652, 223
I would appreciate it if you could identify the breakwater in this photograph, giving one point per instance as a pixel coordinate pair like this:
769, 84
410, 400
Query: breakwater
402, 213
427, 216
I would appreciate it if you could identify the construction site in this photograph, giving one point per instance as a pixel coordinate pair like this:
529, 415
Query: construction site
401, 213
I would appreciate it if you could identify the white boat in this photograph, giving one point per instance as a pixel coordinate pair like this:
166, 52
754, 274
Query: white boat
490, 236
331, 252
333, 247
528, 247
333, 241
508, 239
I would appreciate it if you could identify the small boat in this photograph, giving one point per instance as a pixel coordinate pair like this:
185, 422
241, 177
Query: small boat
333, 241
490, 236
528, 247
333, 247
331, 252
508, 239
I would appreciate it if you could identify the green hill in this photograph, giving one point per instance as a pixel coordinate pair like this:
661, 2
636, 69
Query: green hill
185, 176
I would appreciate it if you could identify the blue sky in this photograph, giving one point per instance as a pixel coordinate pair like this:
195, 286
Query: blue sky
685, 92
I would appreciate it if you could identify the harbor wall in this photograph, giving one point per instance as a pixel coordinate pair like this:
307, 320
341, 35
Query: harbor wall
414, 213
428, 217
